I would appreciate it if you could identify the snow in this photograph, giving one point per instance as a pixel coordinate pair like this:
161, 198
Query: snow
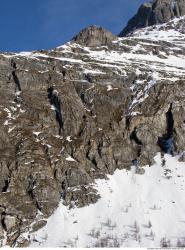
58, 137
6, 123
69, 139
11, 129
18, 93
95, 60
109, 88
28, 163
37, 133
22, 110
69, 158
142, 94
93, 72
150, 84
138, 72
13, 108
53, 107
164, 32
135, 113
134, 211
25, 53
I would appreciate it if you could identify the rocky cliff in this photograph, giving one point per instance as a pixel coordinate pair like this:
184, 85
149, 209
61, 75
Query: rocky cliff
79, 112
155, 12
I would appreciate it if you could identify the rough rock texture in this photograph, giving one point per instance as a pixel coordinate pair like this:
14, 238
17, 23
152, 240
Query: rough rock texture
155, 12
94, 36
76, 113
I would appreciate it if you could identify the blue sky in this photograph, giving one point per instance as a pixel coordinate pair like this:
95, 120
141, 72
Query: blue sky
42, 24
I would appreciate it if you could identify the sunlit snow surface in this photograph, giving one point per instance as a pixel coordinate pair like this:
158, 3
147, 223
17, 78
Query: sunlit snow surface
134, 210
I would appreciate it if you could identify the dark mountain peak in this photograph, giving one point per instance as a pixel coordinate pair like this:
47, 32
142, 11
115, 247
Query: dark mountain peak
155, 12
94, 36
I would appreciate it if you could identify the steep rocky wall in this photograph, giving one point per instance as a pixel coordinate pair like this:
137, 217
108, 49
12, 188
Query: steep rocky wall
41, 165
76, 113
156, 12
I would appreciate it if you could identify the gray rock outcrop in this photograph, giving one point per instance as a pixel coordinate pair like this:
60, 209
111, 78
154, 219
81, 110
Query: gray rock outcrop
155, 12
94, 36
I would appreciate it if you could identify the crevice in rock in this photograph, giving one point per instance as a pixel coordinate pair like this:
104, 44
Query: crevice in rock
88, 78
166, 142
8, 178
31, 184
64, 186
83, 126
15, 78
170, 122
135, 163
128, 119
6, 185
133, 137
94, 162
3, 215
81, 131
100, 146
30, 191
91, 159
55, 101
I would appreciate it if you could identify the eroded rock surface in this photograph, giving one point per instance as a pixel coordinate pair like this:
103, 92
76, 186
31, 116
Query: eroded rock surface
155, 12
76, 113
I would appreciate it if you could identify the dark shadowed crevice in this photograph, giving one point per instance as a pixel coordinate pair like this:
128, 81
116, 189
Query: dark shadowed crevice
15, 78
128, 119
3, 221
55, 101
94, 162
88, 78
6, 185
170, 122
30, 191
133, 137
166, 142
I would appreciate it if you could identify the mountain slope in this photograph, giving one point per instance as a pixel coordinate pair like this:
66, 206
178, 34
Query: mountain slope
155, 12
75, 114
134, 211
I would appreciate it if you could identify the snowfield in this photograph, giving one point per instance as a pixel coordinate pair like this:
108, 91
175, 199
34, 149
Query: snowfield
133, 211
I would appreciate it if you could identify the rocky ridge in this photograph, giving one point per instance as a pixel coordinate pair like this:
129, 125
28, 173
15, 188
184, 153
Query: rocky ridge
79, 112
155, 12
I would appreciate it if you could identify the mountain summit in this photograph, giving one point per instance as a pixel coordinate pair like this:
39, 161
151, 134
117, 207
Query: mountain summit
155, 12
94, 36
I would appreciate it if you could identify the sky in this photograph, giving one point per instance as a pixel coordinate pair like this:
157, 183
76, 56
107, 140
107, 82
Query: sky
28, 25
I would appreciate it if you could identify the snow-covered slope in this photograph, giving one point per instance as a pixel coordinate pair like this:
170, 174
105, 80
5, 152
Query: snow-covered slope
171, 32
159, 48
134, 210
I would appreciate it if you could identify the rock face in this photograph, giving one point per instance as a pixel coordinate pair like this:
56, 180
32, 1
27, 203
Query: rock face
94, 36
78, 112
156, 12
